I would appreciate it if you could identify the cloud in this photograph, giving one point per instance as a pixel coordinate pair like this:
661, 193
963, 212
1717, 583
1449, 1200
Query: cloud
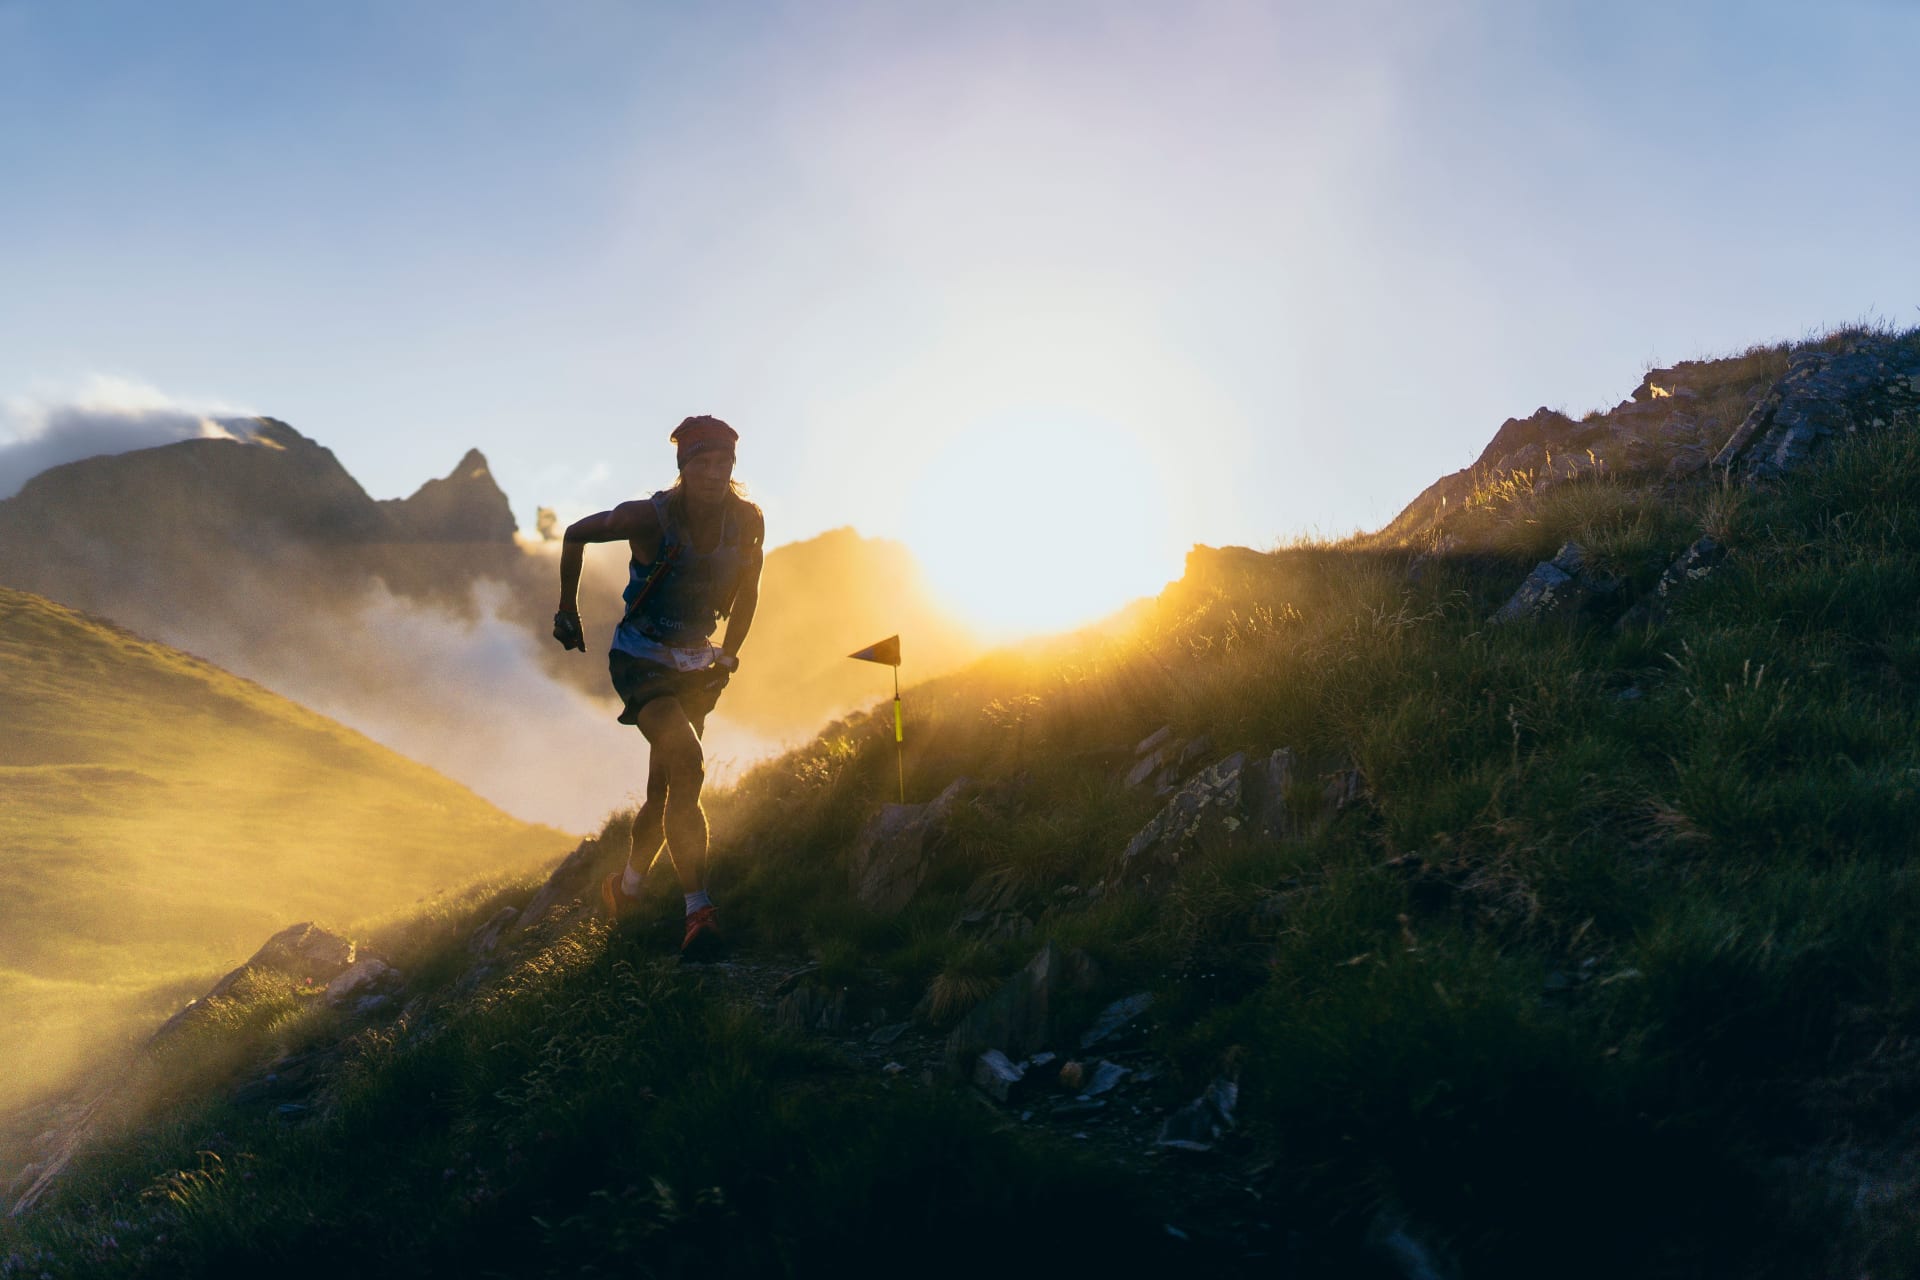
108, 415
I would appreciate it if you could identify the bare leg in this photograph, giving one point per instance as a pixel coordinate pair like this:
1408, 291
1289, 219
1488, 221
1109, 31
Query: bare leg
649, 824
677, 747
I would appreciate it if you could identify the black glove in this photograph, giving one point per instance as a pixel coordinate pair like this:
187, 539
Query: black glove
566, 629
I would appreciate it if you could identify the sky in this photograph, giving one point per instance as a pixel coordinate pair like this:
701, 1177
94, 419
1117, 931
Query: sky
1051, 292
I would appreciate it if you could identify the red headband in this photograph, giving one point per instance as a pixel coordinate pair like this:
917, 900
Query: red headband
703, 434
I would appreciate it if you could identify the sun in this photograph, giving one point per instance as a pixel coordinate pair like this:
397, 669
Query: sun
1035, 523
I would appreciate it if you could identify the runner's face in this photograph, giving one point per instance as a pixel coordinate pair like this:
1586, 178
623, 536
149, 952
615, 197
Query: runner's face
706, 475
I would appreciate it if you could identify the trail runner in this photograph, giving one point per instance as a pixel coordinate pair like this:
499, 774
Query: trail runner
696, 555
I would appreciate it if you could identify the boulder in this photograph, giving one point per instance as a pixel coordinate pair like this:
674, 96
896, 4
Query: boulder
1022, 1016
1204, 1121
1233, 799
1561, 586
1149, 764
362, 977
995, 1075
1154, 741
1116, 1018
1693, 564
304, 952
897, 848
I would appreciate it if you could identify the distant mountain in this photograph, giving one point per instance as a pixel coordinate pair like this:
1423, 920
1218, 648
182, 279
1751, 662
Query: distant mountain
158, 815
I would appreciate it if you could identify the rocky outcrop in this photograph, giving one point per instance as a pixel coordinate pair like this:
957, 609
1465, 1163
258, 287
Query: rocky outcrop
896, 850
1868, 382
1561, 586
1693, 564
1234, 799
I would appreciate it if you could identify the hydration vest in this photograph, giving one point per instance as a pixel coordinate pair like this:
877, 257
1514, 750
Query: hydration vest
695, 590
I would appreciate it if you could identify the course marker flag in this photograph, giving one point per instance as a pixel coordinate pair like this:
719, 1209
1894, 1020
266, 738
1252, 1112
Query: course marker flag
887, 653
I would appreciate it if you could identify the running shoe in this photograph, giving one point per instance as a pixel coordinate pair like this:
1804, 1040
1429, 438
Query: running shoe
703, 938
619, 903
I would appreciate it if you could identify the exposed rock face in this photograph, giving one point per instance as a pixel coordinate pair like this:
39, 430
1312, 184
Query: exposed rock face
1562, 585
1695, 563
1233, 799
1870, 383
896, 850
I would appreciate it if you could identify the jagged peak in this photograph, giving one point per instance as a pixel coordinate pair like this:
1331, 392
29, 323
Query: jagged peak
472, 466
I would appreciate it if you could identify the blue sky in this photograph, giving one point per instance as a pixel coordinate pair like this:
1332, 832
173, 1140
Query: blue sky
1168, 273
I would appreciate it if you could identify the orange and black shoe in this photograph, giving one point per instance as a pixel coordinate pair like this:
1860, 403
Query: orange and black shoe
703, 940
619, 903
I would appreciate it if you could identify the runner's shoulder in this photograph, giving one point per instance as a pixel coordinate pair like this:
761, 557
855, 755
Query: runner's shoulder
636, 518
753, 521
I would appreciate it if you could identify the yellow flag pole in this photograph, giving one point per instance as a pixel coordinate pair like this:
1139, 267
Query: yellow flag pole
899, 738
888, 652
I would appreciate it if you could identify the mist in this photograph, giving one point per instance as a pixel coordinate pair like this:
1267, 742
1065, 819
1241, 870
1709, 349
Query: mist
469, 697
115, 417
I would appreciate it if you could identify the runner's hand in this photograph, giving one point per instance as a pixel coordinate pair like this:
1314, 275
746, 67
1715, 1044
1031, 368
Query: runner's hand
566, 629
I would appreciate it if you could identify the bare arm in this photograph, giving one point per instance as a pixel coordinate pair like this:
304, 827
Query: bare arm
633, 522
747, 598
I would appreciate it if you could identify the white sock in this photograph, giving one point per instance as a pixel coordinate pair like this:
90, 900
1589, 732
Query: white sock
631, 881
698, 899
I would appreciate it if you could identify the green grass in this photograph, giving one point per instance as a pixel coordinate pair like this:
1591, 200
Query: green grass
1612, 970
161, 817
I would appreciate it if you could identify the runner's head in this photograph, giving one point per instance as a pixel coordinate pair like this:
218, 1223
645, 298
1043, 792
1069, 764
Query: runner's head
703, 449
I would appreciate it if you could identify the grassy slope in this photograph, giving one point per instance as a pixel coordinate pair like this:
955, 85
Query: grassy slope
1642, 997
160, 817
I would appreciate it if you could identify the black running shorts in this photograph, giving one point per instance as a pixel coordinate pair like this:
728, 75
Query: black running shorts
639, 682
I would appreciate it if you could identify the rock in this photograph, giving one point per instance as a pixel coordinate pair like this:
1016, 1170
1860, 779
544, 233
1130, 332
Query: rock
1204, 1121
889, 1033
1019, 1018
1693, 564
895, 851
1560, 585
361, 978
370, 1004
1148, 765
1192, 752
1229, 801
996, 1076
1686, 461
1116, 1018
1863, 383
1107, 1076
1154, 741
1543, 591
303, 951
487, 936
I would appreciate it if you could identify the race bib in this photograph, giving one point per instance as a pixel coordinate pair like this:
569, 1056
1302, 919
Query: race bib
693, 659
